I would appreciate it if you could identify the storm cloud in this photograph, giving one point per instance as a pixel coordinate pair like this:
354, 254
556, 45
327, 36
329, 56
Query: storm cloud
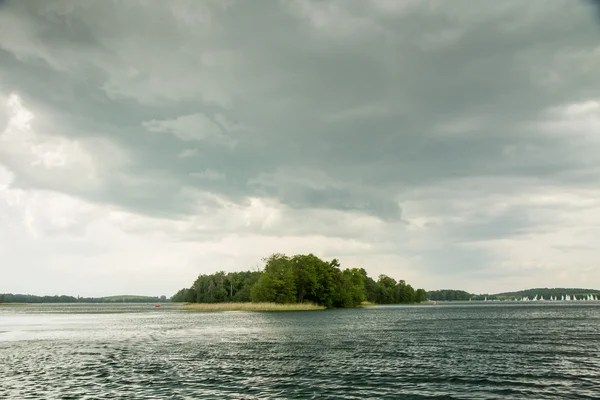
451, 144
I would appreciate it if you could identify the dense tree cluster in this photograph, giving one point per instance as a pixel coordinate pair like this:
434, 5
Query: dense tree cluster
219, 287
387, 291
298, 279
28, 298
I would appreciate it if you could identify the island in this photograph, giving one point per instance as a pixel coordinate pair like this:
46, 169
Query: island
299, 282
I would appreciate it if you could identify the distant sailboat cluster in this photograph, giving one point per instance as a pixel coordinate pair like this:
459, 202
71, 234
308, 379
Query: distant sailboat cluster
566, 297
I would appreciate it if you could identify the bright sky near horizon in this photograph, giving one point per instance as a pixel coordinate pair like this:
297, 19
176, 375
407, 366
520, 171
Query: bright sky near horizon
450, 144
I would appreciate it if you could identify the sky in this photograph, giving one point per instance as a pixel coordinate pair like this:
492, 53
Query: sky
450, 144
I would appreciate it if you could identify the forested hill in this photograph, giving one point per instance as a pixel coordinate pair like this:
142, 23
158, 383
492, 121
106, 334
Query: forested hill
298, 279
461, 295
28, 298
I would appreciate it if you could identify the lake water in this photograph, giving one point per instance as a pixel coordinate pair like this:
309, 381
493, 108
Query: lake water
461, 351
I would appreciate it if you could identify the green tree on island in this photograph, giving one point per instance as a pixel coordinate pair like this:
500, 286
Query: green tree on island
277, 283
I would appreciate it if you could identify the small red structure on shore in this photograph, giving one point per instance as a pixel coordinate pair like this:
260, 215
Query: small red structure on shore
158, 306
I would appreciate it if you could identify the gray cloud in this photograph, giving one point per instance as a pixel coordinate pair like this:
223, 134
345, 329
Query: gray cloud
419, 115
596, 4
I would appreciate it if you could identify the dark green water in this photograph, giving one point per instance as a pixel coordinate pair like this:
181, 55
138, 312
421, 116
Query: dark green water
533, 351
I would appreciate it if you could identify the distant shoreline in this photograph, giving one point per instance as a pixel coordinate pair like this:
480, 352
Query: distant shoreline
10, 298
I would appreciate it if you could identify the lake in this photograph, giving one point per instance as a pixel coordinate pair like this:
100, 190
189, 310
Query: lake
451, 351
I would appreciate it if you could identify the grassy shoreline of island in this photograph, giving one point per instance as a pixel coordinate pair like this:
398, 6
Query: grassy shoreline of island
262, 306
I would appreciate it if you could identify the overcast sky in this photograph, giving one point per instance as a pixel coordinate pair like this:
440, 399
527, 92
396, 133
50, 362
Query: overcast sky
453, 144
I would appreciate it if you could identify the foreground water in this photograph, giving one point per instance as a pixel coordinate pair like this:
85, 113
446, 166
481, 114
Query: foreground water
470, 351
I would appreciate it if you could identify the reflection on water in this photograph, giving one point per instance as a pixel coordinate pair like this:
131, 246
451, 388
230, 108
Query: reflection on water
451, 351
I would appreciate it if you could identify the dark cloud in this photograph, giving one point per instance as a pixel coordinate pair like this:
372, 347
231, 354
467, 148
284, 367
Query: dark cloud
365, 109
596, 5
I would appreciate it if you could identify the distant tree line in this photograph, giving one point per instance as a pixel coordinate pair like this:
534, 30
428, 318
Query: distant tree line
298, 279
28, 298
449, 295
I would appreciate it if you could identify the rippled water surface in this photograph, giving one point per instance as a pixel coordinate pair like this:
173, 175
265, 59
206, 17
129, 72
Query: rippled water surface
472, 351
